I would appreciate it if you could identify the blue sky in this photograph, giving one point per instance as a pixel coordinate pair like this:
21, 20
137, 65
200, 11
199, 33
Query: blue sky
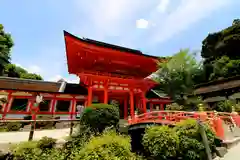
156, 27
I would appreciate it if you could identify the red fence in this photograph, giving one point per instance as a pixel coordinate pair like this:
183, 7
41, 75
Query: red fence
215, 119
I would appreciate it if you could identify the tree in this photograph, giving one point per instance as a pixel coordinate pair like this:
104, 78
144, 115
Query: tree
220, 52
15, 71
224, 67
176, 76
6, 43
225, 42
31, 76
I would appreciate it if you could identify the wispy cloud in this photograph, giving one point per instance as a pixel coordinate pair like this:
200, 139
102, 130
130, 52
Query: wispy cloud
163, 18
122, 22
162, 6
111, 17
186, 13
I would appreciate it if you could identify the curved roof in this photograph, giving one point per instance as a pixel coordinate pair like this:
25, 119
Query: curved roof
93, 57
8, 83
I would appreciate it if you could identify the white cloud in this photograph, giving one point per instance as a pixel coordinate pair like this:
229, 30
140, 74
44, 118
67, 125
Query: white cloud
117, 18
34, 69
187, 13
141, 23
31, 69
162, 7
110, 17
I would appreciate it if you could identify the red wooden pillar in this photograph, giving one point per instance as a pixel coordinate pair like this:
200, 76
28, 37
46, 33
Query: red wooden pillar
89, 95
85, 103
161, 106
105, 94
132, 103
53, 104
73, 107
7, 105
125, 109
144, 105
151, 106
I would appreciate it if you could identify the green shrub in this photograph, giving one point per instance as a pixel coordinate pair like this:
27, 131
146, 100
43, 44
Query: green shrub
191, 141
46, 142
13, 126
224, 106
108, 146
161, 142
100, 116
26, 151
32, 150
75, 143
174, 107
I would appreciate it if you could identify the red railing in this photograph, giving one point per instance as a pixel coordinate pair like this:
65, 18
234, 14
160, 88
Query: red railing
215, 119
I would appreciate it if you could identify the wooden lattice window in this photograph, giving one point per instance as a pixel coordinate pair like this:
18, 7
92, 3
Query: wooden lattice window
63, 105
45, 105
19, 104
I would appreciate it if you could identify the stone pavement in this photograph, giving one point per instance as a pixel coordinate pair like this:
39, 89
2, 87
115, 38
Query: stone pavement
233, 153
15, 137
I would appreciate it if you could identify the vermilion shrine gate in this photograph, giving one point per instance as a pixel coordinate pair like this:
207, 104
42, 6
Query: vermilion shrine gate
112, 72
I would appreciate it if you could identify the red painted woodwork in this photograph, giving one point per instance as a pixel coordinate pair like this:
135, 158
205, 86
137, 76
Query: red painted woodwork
125, 108
105, 94
151, 107
132, 104
90, 94
84, 57
72, 108
172, 117
161, 106
144, 102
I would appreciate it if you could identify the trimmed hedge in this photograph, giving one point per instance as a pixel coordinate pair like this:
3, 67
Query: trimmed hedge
161, 142
190, 139
100, 116
108, 146
37, 150
181, 142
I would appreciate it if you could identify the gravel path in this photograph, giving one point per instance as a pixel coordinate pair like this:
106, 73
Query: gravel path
6, 138
15, 137
233, 153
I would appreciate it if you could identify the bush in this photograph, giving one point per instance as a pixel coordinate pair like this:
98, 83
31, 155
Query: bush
25, 150
108, 146
191, 141
13, 126
32, 150
100, 116
46, 142
224, 106
161, 142
77, 141
174, 107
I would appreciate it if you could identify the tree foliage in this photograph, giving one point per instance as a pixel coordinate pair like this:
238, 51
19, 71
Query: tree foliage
161, 142
190, 139
220, 51
108, 146
6, 43
100, 116
177, 75
225, 42
13, 70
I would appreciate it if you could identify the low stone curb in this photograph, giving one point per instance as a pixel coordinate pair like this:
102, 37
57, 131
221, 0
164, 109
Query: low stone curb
231, 143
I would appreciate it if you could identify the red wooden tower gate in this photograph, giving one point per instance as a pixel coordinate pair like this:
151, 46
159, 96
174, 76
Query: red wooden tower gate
111, 72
